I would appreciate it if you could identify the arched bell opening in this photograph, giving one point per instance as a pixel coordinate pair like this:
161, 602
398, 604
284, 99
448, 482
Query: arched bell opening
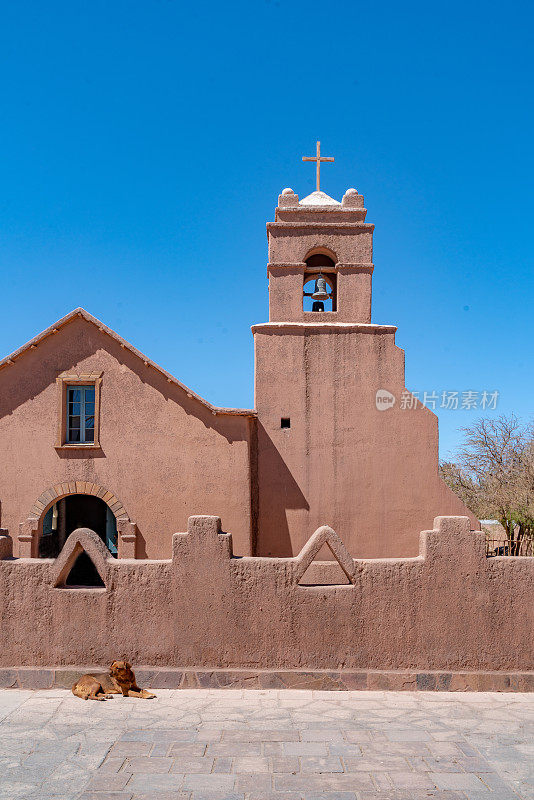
70, 513
320, 284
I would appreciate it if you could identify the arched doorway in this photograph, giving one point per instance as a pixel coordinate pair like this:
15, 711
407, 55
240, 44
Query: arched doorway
72, 512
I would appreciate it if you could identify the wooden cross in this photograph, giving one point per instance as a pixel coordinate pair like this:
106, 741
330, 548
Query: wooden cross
318, 158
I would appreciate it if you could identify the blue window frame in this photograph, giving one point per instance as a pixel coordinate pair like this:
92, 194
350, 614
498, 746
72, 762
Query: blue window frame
81, 414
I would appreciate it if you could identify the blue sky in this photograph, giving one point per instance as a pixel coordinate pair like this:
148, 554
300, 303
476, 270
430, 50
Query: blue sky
143, 146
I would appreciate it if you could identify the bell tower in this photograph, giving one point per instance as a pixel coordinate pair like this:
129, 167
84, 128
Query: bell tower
320, 238
328, 450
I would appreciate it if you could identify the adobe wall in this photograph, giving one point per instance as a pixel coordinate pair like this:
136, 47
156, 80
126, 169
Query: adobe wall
371, 474
447, 609
163, 454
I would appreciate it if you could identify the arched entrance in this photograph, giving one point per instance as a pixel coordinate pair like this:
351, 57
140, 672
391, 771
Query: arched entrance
67, 515
72, 512
118, 531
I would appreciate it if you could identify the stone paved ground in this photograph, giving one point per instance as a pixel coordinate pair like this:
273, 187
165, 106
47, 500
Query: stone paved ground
262, 745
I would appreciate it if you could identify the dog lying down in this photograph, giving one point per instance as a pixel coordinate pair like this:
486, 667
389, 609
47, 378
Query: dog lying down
102, 685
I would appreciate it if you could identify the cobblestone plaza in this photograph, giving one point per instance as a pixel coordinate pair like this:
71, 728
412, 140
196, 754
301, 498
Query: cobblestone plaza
267, 745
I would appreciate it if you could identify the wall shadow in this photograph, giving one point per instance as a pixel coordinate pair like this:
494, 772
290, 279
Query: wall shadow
277, 491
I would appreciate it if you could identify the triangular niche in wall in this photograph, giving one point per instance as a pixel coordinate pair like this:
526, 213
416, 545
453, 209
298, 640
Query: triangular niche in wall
311, 571
82, 563
324, 573
84, 574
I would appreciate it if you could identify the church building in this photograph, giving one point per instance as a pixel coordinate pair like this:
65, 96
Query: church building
94, 434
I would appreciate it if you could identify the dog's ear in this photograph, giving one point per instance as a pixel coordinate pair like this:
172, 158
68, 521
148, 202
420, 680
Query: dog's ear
128, 666
113, 667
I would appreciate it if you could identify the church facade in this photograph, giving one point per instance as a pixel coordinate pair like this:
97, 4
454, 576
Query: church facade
93, 434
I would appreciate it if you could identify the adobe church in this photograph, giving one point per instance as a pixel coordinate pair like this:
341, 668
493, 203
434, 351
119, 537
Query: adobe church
95, 434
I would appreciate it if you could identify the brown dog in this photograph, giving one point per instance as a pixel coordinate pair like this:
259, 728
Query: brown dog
119, 680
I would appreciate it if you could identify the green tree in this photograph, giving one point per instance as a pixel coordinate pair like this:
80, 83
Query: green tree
493, 473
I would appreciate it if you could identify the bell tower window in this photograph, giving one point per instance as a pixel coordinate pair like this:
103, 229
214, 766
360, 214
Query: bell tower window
319, 292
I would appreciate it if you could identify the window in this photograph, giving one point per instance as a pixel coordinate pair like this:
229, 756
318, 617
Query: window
79, 410
81, 414
285, 422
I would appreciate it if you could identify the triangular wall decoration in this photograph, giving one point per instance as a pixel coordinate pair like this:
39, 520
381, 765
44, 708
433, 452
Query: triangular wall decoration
71, 566
324, 535
324, 573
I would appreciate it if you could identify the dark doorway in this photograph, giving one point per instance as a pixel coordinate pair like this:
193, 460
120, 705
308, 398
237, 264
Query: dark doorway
72, 512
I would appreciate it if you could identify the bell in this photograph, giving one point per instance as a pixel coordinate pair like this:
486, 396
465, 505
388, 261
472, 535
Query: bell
320, 292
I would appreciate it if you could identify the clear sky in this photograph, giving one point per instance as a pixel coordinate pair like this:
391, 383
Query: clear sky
143, 146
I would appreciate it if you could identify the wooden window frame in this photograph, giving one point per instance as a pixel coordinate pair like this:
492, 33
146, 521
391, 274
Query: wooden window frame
63, 383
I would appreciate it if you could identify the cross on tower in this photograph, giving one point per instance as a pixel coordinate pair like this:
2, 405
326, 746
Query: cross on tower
318, 158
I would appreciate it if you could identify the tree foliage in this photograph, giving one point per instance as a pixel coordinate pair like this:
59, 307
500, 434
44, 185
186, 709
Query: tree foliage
493, 473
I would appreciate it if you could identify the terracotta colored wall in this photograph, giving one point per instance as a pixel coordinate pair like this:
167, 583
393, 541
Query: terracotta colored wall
372, 475
448, 608
164, 455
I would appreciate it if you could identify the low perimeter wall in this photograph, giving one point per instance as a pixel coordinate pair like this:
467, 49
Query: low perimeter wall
447, 619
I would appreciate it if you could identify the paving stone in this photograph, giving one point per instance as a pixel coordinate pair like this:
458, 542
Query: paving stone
272, 749
233, 749
148, 764
162, 796
355, 737
160, 749
255, 764
185, 750
159, 735
111, 765
460, 781
154, 782
106, 796
203, 783
438, 794
496, 783
212, 795
330, 796
222, 765
318, 764
410, 780
322, 735
260, 736
274, 796
208, 734
186, 765
254, 783
305, 749
313, 783
345, 750
382, 782
109, 782
385, 763
429, 764
408, 735
285, 764
130, 749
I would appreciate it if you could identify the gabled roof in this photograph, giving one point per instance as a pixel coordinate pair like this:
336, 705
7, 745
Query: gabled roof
81, 312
